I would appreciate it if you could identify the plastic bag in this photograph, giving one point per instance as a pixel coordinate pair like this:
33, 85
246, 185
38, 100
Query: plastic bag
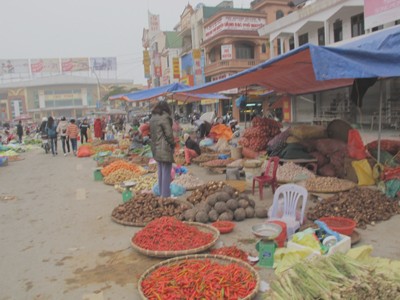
363, 171
355, 145
176, 190
206, 142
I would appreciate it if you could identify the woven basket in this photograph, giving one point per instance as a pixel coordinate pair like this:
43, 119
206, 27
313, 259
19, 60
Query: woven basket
200, 226
221, 259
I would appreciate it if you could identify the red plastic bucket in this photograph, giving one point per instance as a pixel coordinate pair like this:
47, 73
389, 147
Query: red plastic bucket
281, 239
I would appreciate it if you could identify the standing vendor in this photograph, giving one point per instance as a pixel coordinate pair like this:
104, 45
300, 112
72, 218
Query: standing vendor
192, 149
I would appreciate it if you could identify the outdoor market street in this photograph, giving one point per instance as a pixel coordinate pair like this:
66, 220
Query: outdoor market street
59, 242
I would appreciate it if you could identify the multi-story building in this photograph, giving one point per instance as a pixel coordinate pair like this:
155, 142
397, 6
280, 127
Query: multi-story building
326, 23
61, 95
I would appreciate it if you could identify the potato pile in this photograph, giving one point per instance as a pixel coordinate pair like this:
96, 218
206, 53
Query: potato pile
200, 194
328, 185
143, 183
147, 207
119, 176
225, 205
363, 205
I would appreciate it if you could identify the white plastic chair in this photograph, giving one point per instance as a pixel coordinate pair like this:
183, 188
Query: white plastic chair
290, 195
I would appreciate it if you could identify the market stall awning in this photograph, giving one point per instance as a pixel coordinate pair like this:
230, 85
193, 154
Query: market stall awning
192, 97
312, 68
150, 93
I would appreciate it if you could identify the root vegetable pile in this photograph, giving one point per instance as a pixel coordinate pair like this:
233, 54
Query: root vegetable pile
170, 234
225, 205
328, 184
144, 208
121, 164
199, 279
200, 194
119, 176
143, 183
363, 205
290, 172
231, 251
217, 163
188, 181
257, 137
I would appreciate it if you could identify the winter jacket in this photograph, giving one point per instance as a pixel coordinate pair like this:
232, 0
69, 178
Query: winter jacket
162, 138
51, 131
72, 131
20, 130
62, 128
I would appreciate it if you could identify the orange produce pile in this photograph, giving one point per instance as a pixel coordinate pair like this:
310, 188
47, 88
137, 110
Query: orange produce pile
121, 164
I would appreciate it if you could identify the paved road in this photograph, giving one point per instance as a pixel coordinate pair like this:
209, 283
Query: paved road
58, 241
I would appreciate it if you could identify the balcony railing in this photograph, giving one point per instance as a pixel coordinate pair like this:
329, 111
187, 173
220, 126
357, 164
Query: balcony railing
231, 65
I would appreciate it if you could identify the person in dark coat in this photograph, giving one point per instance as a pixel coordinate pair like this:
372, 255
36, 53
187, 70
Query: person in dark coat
192, 149
20, 132
162, 145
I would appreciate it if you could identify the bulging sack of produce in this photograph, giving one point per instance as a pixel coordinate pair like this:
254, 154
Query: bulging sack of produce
305, 132
355, 145
84, 151
363, 171
321, 159
328, 146
252, 163
327, 170
248, 153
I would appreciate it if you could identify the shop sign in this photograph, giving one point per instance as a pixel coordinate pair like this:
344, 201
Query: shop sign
176, 68
146, 63
208, 101
226, 52
236, 23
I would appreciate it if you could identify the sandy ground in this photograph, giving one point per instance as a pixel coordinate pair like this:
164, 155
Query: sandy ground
59, 242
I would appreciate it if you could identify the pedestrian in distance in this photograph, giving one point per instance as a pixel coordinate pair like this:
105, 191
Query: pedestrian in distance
98, 130
20, 132
84, 126
162, 145
192, 148
62, 131
51, 131
72, 133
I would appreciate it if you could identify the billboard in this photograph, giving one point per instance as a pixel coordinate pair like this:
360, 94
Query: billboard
45, 65
103, 63
74, 64
226, 52
236, 23
14, 66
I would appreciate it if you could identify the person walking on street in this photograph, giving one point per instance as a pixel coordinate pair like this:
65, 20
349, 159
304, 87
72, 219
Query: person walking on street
51, 130
62, 131
72, 133
98, 130
162, 145
20, 131
84, 126
192, 149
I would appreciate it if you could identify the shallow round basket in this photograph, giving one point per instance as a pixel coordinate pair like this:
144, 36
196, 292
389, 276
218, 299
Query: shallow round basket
266, 231
224, 226
221, 259
199, 226
342, 225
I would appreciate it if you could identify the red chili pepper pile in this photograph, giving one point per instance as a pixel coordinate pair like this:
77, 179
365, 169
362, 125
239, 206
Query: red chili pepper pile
170, 234
199, 279
232, 251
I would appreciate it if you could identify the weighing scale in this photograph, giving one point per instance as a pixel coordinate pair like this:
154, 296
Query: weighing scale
266, 246
127, 193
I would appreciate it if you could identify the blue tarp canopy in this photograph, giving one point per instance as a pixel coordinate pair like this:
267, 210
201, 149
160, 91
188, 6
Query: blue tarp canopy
312, 68
172, 90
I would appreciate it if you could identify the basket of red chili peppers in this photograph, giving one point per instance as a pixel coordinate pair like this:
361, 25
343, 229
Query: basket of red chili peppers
169, 237
200, 276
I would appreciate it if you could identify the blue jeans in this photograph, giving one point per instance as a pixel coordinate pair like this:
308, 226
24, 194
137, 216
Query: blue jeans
74, 143
53, 144
164, 178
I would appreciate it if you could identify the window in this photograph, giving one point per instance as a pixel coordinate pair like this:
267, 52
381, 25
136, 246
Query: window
279, 14
377, 28
244, 51
337, 31
263, 48
321, 36
215, 54
291, 43
357, 25
303, 39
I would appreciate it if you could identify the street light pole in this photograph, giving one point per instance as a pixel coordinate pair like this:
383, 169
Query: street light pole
98, 86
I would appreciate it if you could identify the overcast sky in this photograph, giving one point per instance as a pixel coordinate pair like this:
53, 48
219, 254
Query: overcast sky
87, 28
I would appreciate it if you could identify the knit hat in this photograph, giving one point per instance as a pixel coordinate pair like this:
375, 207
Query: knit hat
185, 137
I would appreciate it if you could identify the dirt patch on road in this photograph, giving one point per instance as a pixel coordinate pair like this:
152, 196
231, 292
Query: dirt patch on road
122, 267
